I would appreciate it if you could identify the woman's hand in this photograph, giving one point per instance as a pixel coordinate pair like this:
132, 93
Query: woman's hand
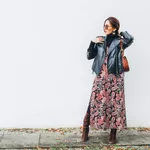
98, 39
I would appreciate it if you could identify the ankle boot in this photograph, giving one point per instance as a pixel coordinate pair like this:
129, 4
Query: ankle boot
85, 130
112, 138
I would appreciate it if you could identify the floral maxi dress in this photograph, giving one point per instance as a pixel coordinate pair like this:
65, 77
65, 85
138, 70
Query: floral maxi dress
107, 101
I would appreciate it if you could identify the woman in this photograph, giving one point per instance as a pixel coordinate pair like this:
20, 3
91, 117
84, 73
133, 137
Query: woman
106, 109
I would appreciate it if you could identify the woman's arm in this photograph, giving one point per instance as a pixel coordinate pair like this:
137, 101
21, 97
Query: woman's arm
92, 50
127, 39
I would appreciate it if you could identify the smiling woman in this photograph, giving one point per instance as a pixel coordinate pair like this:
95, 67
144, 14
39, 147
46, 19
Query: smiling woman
106, 109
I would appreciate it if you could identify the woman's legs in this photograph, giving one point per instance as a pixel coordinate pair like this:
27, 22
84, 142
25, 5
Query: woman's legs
85, 131
112, 138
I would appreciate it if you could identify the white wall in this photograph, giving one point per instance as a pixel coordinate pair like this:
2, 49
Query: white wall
45, 78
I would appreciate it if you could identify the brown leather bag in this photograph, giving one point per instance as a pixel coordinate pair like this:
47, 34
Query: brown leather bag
124, 59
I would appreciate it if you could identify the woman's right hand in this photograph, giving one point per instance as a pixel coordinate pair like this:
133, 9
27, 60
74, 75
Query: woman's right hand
98, 39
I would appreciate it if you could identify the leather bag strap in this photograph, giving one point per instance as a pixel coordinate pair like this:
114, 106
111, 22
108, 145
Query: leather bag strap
121, 46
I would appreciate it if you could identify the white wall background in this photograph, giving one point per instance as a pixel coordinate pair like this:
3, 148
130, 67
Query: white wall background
45, 78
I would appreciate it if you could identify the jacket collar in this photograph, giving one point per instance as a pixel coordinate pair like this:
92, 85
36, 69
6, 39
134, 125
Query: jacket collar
113, 44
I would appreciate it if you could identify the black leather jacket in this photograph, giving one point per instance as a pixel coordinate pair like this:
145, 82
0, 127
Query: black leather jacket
114, 64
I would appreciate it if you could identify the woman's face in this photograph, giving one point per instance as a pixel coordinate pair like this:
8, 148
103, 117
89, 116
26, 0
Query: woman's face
108, 29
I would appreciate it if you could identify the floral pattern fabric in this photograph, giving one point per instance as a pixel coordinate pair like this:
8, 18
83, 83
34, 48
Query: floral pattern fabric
107, 101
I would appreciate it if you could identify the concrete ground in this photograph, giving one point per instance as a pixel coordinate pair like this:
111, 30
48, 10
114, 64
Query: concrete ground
71, 138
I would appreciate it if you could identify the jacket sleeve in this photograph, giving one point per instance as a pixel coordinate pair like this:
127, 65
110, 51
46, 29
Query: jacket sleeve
127, 39
92, 50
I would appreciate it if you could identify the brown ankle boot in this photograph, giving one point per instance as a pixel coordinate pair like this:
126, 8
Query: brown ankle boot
112, 138
85, 130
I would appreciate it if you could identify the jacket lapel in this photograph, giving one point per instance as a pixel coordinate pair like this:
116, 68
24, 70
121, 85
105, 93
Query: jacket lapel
113, 44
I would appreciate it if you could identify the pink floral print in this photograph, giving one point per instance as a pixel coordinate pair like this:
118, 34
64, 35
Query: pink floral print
107, 101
